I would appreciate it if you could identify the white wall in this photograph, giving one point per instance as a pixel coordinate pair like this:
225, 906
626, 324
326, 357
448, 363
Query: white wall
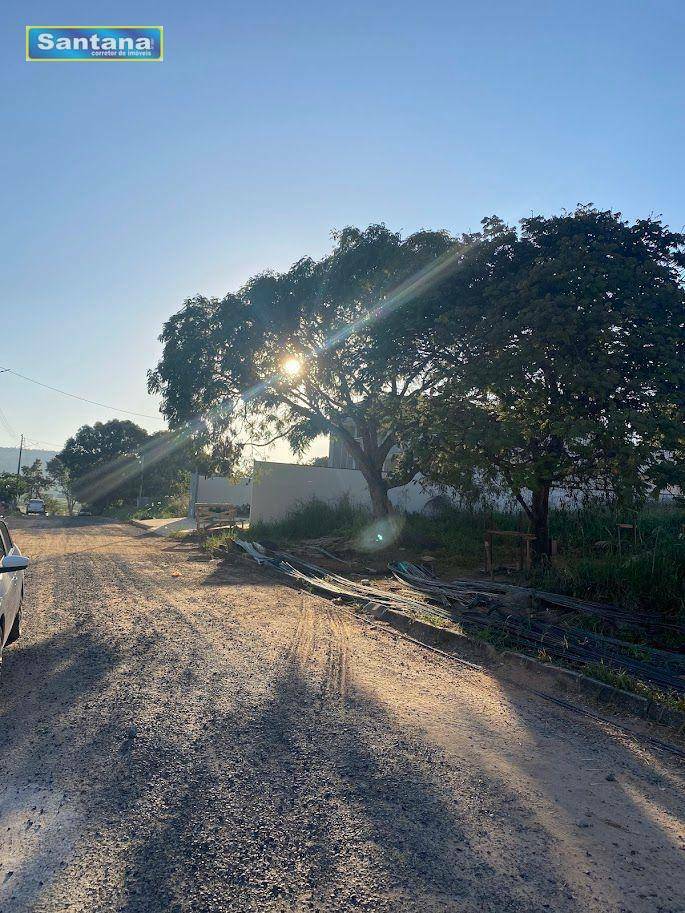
276, 488
218, 490
280, 487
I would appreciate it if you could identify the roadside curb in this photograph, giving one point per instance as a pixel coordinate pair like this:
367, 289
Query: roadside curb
140, 524
566, 680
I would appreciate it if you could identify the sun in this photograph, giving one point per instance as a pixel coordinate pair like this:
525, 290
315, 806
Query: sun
292, 366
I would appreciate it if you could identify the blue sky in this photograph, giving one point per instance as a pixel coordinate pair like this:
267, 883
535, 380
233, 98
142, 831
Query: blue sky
128, 187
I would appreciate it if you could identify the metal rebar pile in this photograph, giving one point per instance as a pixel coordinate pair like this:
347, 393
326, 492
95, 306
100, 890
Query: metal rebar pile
533, 631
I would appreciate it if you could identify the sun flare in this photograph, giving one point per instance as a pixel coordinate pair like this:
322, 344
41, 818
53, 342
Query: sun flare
292, 366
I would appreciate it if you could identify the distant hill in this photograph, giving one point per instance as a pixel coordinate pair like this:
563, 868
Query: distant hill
10, 455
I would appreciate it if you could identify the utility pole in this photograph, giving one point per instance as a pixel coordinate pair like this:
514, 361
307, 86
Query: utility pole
21, 448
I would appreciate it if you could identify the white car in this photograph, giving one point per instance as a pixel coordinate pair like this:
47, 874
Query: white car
12, 567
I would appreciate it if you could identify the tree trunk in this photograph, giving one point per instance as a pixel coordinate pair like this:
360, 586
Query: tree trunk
369, 458
540, 519
378, 490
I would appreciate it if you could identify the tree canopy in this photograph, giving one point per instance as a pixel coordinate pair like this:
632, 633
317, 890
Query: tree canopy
105, 463
566, 348
545, 355
330, 346
12, 487
35, 480
61, 476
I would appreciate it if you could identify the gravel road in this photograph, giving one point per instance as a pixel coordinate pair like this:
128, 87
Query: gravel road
178, 734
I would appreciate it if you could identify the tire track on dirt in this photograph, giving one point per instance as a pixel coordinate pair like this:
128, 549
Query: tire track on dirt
337, 653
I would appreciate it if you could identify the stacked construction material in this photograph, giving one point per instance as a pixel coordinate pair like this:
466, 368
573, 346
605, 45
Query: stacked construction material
534, 631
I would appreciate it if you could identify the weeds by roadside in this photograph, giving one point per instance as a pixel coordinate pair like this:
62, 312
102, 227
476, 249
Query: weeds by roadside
624, 681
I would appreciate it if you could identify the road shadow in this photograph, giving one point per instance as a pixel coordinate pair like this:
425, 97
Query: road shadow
311, 803
304, 795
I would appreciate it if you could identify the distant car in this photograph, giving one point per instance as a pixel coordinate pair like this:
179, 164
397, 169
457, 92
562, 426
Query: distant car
35, 506
12, 567
85, 512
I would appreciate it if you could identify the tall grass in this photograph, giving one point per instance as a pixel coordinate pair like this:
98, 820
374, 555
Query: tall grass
641, 570
313, 520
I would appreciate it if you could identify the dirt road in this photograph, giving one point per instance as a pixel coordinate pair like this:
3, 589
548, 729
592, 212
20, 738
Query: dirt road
181, 735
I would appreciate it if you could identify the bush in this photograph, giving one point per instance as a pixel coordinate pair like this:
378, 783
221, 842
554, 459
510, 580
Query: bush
314, 519
459, 533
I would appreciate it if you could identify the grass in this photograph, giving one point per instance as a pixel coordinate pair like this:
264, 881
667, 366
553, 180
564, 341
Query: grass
642, 572
169, 508
215, 540
624, 681
313, 520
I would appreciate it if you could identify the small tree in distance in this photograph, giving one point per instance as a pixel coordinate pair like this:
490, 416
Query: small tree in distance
11, 488
109, 462
35, 481
61, 476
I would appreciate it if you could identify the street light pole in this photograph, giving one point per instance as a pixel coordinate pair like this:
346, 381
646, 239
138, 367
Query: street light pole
141, 457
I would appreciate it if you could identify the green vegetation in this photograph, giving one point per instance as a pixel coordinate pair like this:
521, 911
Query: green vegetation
61, 476
642, 571
35, 480
108, 465
624, 681
175, 505
215, 540
314, 519
534, 357
11, 488
562, 342
302, 342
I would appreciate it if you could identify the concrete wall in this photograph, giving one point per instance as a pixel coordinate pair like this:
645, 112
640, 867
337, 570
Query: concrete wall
276, 488
218, 490
280, 487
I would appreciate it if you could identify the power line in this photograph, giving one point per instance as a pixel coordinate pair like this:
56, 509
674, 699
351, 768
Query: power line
32, 442
83, 399
37, 444
6, 425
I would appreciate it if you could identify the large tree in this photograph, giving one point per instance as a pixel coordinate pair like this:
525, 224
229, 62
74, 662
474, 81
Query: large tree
101, 462
328, 347
112, 461
567, 347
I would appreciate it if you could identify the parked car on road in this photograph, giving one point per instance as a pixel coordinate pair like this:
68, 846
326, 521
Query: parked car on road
12, 567
35, 506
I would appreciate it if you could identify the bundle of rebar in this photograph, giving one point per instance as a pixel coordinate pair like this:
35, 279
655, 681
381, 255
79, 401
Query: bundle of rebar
535, 632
